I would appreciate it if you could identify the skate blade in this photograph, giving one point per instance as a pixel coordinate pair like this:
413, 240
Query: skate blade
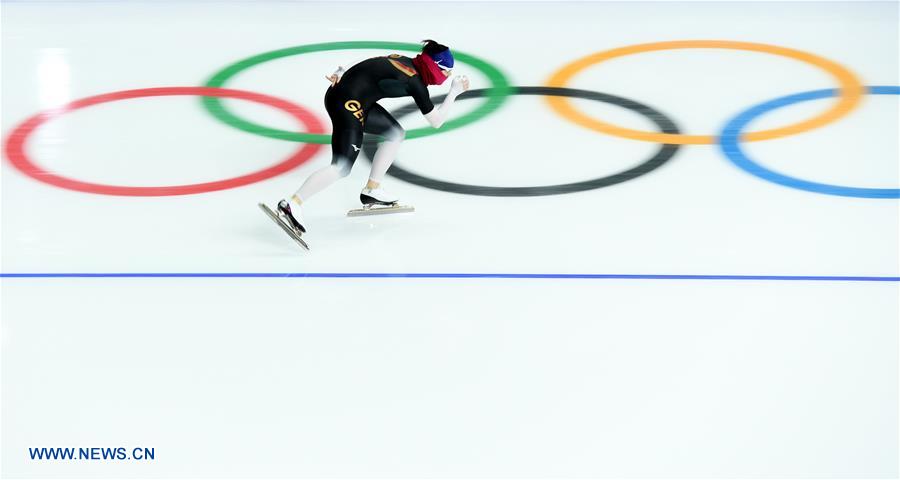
380, 210
287, 228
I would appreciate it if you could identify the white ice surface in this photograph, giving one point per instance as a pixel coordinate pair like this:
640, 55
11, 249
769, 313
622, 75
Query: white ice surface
451, 378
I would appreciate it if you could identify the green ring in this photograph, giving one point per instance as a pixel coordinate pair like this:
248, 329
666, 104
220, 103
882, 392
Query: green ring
499, 85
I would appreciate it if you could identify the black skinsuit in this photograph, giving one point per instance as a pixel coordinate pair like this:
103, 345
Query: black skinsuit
352, 106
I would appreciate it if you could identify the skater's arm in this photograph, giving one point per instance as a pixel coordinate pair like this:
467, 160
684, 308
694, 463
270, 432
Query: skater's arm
437, 116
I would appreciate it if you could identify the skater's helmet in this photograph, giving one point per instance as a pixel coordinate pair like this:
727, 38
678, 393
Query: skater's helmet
438, 53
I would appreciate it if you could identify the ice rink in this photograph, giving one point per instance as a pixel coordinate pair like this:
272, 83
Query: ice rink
606, 275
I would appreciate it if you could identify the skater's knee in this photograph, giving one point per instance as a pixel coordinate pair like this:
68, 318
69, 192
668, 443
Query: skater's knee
395, 135
342, 166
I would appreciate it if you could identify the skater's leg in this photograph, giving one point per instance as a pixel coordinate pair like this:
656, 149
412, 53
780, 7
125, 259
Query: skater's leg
345, 146
346, 142
318, 181
384, 157
382, 123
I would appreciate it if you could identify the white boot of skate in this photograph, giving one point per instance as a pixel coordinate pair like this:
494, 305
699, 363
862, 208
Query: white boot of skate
292, 215
289, 220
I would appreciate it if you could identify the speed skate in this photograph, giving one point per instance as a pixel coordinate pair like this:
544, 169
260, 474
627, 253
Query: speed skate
377, 202
378, 209
294, 234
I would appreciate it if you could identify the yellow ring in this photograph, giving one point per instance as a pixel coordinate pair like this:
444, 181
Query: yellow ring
851, 91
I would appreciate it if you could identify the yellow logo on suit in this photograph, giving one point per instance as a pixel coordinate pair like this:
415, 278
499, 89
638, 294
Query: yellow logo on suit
355, 107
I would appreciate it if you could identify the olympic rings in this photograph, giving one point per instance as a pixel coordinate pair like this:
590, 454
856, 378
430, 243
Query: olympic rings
849, 95
15, 144
499, 85
665, 153
850, 91
730, 144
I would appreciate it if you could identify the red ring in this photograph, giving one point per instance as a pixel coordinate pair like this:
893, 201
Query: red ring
15, 143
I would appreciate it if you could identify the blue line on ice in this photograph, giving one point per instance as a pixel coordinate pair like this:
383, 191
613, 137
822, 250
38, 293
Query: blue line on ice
567, 276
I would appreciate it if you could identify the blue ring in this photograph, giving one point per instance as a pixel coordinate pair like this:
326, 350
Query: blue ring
729, 141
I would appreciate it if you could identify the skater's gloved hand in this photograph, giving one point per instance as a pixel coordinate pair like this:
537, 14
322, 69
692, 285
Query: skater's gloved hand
459, 85
335, 77
437, 115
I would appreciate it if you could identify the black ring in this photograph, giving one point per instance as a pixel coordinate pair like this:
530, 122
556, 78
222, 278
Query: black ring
665, 153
